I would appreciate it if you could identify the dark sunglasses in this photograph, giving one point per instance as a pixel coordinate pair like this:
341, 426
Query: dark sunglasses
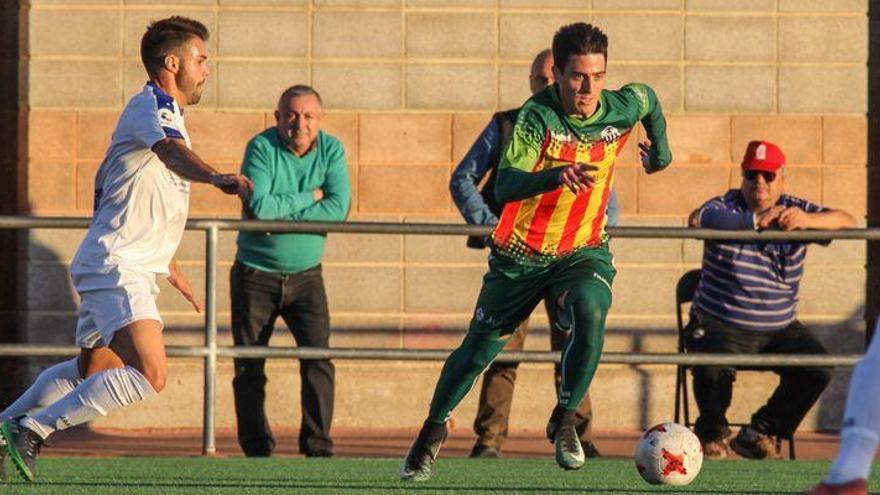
752, 175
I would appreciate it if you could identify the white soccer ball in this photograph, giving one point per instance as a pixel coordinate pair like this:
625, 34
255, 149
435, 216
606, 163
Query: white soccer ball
669, 454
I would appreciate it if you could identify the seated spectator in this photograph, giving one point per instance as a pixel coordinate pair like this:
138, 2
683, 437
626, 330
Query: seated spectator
746, 303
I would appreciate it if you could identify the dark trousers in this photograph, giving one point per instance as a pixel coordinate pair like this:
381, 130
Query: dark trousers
496, 396
799, 388
258, 299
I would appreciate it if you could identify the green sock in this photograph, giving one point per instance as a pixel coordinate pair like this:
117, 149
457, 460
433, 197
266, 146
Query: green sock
587, 304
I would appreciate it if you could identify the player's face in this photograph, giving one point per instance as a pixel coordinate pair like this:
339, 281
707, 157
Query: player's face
299, 122
760, 192
193, 71
581, 82
542, 74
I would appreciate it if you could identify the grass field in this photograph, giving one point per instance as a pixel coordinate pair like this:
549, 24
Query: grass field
373, 476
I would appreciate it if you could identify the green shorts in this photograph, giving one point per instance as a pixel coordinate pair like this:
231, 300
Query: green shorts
511, 291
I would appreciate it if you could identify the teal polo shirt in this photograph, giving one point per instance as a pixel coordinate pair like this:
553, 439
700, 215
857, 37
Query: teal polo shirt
283, 190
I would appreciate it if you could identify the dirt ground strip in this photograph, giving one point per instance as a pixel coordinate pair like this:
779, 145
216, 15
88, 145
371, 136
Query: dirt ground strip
358, 443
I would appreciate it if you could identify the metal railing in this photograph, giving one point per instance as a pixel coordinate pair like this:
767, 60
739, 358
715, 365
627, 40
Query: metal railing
210, 352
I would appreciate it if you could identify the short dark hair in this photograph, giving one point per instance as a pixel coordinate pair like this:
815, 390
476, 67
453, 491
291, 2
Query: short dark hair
579, 38
297, 91
165, 37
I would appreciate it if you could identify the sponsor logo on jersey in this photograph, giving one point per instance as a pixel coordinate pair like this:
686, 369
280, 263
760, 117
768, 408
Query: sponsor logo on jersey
562, 137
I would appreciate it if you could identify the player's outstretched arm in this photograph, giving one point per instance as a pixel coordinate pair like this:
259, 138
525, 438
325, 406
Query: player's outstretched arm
185, 163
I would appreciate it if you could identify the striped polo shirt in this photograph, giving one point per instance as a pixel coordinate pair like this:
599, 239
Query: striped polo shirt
752, 284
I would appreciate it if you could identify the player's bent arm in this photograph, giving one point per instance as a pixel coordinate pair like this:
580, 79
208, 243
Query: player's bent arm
831, 220
185, 163
513, 184
654, 122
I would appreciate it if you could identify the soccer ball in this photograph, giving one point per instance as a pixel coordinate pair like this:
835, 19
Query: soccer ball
669, 454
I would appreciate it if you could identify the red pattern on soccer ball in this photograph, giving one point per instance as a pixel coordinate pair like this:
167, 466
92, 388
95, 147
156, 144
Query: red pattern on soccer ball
659, 428
674, 463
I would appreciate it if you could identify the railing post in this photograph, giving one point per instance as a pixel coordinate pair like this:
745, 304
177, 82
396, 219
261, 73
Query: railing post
208, 438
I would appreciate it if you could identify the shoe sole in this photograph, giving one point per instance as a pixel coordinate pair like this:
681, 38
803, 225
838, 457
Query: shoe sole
569, 466
414, 477
14, 455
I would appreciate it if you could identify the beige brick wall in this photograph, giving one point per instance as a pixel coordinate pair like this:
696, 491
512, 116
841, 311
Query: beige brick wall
408, 86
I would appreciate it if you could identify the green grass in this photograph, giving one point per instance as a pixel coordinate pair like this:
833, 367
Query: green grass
371, 476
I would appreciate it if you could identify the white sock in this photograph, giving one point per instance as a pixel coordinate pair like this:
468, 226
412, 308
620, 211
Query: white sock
857, 448
52, 384
96, 396
861, 423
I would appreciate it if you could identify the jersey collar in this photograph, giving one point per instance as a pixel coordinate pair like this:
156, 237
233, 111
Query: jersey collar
161, 92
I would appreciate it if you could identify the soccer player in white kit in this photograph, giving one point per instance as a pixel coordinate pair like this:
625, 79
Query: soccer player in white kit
141, 204
861, 428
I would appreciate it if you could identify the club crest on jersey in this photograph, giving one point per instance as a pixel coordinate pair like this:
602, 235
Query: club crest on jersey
610, 134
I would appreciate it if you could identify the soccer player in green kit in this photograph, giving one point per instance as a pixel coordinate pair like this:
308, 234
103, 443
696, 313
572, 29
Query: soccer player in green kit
555, 179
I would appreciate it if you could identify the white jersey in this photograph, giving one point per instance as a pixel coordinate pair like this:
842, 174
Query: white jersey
140, 205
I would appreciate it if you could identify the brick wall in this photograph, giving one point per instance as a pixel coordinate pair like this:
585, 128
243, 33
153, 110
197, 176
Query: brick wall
408, 85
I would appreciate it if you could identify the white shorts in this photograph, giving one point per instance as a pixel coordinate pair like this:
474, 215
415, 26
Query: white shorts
103, 312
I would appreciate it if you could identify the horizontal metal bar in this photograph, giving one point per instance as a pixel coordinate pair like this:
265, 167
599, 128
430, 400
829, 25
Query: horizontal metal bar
871, 234
310, 353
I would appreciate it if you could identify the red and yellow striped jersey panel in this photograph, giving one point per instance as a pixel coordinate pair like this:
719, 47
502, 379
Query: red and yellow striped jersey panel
556, 223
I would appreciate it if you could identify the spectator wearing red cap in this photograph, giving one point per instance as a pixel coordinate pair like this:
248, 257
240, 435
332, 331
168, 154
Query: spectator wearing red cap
746, 303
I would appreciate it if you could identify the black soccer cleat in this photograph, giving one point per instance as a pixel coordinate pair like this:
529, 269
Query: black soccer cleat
23, 446
421, 456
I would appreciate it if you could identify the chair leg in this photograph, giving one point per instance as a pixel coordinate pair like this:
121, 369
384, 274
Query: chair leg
791, 455
677, 393
686, 401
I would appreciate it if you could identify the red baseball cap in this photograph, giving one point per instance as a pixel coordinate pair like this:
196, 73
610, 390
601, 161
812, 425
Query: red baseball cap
764, 156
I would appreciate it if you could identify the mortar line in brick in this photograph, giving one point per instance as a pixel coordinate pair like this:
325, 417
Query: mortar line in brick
96, 7
768, 13
261, 8
776, 65
164, 7
459, 60
447, 111
310, 42
497, 55
682, 62
76, 163
404, 55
